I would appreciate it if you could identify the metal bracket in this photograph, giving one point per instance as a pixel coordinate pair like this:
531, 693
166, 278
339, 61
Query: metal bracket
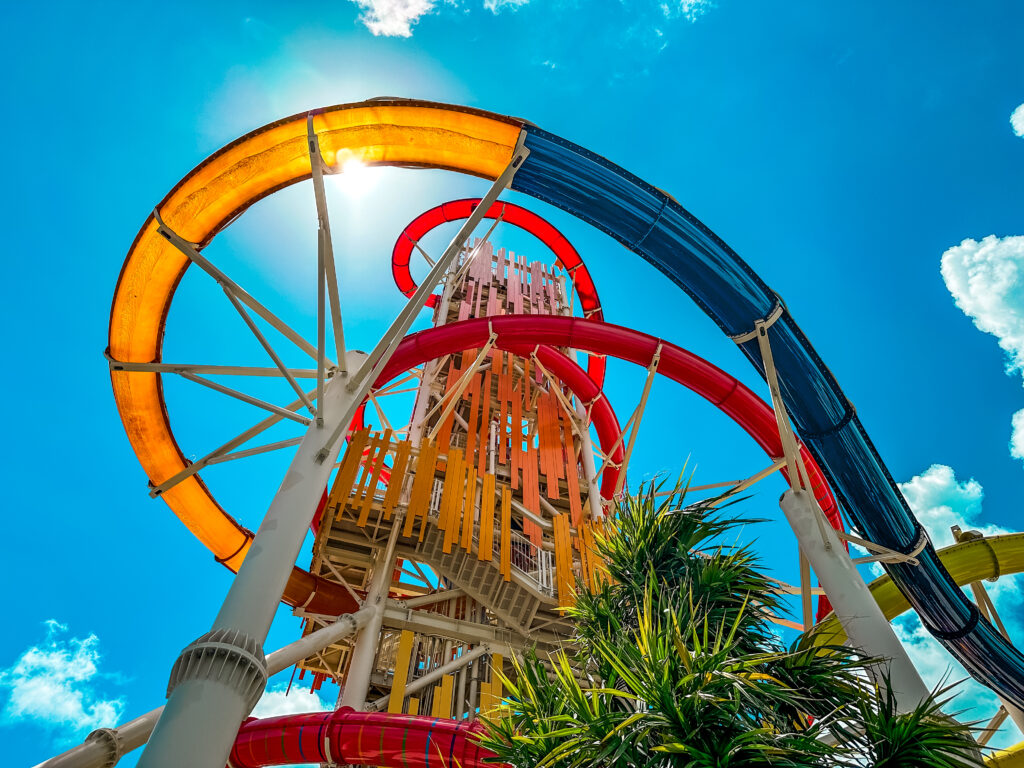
885, 554
111, 740
766, 322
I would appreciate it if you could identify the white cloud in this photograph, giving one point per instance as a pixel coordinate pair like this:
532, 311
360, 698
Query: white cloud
1017, 435
986, 280
53, 685
497, 6
275, 702
939, 501
691, 10
393, 18
1017, 120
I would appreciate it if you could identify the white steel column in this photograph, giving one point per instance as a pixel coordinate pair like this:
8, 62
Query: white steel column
364, 650
217, 680
105, 747
865, 625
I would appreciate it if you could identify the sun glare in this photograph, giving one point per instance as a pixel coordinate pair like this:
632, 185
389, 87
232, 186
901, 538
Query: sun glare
353, 177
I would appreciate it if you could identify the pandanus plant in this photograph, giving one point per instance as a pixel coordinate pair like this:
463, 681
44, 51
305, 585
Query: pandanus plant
675, 662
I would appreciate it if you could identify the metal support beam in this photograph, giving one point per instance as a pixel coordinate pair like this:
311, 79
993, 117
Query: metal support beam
364, 649
432, 677
866, 626
207, 702
324, 242
97, 753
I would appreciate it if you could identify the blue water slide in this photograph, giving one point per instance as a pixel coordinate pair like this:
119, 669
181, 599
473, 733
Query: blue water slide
653, 225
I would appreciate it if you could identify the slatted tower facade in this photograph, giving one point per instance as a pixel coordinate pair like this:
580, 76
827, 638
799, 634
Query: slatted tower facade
484, 498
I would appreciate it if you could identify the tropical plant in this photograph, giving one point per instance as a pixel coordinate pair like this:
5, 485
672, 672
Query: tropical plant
674, 662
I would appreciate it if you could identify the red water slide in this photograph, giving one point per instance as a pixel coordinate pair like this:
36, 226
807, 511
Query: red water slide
359, 738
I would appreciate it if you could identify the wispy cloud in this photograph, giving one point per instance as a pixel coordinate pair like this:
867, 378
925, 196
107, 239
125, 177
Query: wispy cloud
53, 684
1017, 121
393, 18
986, 280
939, 501
691, 10
497, 6
396, 18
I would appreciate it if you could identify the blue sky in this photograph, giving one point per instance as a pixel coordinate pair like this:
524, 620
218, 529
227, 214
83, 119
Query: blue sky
860, 156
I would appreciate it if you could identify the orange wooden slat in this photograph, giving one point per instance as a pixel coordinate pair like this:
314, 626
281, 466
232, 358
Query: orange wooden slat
503, 406
572, 480
397, 480
469, 508
450, 470
485, 423
516, 442
473, 395
486, 547
563, 559
505, 561
376, 467
454, 477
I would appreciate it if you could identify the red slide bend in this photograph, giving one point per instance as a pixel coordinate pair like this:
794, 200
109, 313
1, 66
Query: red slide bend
522, 334
359, 738
565, 253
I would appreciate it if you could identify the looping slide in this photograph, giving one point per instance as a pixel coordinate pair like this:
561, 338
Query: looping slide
565, 253
644, 219
348, 737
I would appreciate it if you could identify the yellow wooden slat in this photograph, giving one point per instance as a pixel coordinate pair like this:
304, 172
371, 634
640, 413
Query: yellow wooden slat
497, 690
444, 701
366, 464
346, 476
451, 498
450, 473
422, 486
506, 533
486, 699
375, 468
402, 659
486, 548
414, 706
397, 478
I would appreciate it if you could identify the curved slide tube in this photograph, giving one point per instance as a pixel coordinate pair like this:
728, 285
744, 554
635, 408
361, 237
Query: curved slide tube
641, 217
565, 253
346, 736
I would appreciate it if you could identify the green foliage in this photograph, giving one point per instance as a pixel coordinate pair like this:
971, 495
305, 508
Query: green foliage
682, 668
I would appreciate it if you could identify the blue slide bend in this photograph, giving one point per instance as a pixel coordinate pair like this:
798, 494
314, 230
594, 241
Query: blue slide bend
655, 226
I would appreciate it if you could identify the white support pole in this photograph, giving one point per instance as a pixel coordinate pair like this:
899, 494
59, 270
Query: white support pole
324, 241
218, 678
105, 747
865, 625
364, 649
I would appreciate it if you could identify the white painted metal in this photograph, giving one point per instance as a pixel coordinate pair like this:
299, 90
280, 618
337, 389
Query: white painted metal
326, 244
210, 370
283, 412
230, 445
226, 282
201, 717
364, 650
866, 626
268, 348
